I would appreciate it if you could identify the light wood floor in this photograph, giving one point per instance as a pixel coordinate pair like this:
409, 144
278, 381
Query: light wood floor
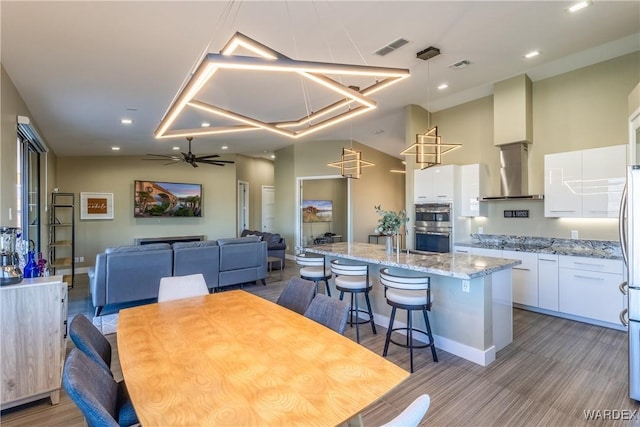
554, 370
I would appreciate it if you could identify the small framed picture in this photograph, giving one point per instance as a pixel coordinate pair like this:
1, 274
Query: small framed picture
96, 205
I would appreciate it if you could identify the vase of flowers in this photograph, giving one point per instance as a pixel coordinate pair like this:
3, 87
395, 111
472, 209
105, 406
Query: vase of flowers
389, 224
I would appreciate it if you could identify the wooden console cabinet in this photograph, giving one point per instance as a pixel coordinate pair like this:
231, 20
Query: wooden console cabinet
33, 340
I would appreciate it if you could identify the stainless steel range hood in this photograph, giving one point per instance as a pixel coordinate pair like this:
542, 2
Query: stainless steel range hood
512, 123
514, 173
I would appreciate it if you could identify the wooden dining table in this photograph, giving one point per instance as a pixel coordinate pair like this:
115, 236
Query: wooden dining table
232, 358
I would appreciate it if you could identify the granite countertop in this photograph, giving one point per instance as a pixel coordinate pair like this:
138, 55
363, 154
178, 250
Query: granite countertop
461, 266
604, 249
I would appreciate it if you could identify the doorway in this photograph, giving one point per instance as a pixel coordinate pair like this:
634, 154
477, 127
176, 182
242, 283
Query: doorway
332, 192
268, 208
243, 206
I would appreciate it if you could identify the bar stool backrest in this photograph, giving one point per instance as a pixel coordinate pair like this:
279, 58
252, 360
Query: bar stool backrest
310, 260
407, 283
344, 269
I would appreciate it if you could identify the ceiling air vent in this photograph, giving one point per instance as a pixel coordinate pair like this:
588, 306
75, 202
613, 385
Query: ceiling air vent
396, 44
460, 64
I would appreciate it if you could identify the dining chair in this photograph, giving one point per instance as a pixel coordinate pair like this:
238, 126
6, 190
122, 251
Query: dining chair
328, 311
413, 414
297, 295
354, 279
313, 267
410, 293
102, 400
178, 287
88, 339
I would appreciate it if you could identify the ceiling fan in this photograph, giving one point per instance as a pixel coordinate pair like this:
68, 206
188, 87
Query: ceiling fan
191, 158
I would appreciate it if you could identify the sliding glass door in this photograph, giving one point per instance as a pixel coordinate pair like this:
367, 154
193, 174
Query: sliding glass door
28, 197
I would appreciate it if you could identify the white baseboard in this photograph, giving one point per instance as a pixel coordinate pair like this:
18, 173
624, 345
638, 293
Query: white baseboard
482, 358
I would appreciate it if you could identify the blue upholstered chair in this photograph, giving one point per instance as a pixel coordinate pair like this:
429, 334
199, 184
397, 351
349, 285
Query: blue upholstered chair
297, 295
178, 287
102, 400
413, 414
90, 341
331, 312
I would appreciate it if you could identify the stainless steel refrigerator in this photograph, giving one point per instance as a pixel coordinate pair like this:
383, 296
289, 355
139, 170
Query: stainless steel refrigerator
630, 244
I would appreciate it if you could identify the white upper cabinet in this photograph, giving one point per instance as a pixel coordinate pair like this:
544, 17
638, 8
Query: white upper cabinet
584, 183
603, 175
474, 181
562, 184
435, 184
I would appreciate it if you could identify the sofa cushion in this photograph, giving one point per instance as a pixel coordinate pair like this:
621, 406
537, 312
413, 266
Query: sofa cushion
238, 240
196, 244
138, 248
271, 239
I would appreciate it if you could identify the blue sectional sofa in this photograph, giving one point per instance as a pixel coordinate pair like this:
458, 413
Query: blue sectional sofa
132, 273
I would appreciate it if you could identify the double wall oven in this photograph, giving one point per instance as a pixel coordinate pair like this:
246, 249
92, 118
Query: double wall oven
433, 227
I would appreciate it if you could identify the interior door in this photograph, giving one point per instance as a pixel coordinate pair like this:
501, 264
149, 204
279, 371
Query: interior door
268, 208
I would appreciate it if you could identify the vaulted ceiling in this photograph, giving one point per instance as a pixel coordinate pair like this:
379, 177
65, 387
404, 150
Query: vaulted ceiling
82, 66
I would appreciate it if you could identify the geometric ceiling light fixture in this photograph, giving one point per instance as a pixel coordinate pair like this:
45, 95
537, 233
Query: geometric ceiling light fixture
351, 102
350, 163
429, 148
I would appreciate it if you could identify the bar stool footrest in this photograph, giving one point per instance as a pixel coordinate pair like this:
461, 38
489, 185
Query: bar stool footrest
429, 344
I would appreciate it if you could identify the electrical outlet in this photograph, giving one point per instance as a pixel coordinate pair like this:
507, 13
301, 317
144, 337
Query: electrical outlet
574, 234
480, 230
81, 259
466, 286
76, 259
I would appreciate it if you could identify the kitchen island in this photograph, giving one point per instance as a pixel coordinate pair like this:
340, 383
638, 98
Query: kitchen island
471, 315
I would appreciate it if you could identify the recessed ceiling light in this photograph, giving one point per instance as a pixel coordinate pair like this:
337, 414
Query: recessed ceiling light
443, 86
205, 124
224, 147
532, 54
176, 148
126, 121
579, 6
115, 148
273, 156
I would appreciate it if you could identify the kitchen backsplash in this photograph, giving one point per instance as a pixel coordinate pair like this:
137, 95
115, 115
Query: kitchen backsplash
598, 248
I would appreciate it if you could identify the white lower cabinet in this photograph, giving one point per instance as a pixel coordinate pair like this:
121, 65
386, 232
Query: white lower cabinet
589, 288
525, 277
548, 281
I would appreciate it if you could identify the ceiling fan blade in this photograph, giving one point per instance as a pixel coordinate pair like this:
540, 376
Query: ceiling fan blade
201, 160
212, 162
161, 155
206, 157
194, 164
167, 158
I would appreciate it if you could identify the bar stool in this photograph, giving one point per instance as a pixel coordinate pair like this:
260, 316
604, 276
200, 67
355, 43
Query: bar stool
354, 278
313, 268
408, 293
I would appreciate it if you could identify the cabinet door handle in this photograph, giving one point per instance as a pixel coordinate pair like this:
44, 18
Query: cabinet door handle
65, 329
461, 251
548, 260
624, 317
588, 264
555, 210
577, 276
441, 195
624, 287
520, 268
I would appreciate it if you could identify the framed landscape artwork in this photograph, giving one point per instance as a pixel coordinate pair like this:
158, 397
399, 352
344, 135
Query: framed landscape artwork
317, 210
159, 199
96, 205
